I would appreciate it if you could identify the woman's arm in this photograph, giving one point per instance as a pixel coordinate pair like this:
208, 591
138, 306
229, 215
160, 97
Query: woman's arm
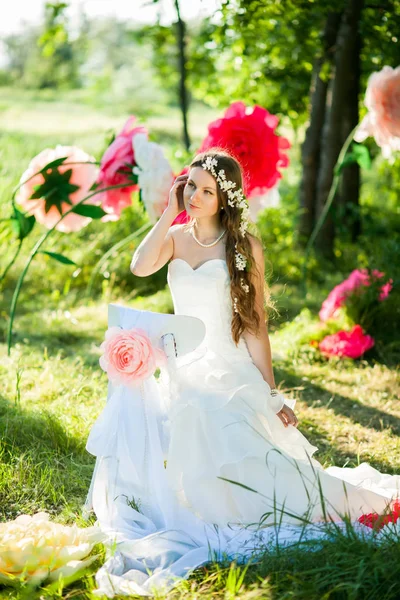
158, 245
259, 345
156, 248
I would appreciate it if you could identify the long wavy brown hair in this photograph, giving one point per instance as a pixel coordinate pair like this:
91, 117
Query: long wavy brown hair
247, 317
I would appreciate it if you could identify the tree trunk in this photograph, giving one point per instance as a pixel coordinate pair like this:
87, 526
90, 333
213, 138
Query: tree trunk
332, 132
350, 181
310, 150
183, 96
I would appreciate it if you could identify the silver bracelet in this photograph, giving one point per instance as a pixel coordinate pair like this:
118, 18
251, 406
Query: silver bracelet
274, 392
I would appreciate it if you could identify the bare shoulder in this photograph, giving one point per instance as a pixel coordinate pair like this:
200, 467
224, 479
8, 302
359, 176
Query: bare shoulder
178, 231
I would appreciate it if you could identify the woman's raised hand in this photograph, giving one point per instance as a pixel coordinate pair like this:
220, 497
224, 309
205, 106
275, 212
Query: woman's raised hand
175, 203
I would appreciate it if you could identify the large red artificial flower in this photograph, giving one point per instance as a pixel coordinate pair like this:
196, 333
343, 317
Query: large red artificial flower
249, 135
116, 169
351, 344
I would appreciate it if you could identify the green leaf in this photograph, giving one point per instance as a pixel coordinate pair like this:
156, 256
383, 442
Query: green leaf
359, 154
362, 156
55, 189
89, 210
54, 163
94, 186
59, 257
131, 176
22, 225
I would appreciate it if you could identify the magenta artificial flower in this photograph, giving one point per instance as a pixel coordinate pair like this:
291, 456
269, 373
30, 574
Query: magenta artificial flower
181, 219
337, 297
351, 344
249, 135
116, 169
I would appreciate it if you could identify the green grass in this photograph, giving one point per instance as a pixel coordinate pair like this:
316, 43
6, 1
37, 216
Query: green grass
52, 389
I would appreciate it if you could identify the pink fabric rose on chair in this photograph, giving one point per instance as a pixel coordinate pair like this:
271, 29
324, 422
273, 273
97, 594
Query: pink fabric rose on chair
382, 99
116, 169
351, 344
129, 356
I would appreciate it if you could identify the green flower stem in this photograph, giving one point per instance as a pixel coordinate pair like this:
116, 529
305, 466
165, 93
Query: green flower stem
12, 261
34, 251
322, 217
110, 251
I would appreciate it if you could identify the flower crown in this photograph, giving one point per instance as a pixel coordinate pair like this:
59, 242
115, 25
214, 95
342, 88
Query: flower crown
235, 198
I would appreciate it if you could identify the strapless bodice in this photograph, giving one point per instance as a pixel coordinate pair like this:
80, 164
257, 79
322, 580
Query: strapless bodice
204, 293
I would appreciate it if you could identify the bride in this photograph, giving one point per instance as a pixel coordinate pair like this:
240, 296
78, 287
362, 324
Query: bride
236, 462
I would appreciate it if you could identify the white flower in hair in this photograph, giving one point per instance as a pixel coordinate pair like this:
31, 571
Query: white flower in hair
240, 261
244, 285
235, 198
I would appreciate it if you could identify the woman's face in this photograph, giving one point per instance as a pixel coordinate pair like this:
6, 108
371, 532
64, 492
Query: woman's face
200, 194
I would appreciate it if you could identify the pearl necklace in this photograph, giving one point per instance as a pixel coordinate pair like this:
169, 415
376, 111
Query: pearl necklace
207, 245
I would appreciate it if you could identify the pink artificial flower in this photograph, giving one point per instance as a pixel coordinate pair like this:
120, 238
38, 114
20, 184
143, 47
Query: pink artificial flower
337, 297
385, 289
83, 175
116, 169
351, 343
129, 356
382, 99
249, 135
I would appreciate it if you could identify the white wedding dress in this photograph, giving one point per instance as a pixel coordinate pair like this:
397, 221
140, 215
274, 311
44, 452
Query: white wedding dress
235, 480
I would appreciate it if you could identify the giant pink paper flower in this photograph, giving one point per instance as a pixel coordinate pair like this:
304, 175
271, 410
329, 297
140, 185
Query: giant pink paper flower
116, 169
249, 135
382, 99
337, 297
83, 175
351, 344
129, 356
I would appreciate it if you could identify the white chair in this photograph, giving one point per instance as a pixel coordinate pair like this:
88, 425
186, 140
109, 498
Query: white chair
130, 437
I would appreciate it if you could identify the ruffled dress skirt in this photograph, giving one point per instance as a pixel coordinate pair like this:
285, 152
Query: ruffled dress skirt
231, 460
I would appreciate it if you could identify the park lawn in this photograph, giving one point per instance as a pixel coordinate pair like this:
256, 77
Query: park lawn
52, 388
